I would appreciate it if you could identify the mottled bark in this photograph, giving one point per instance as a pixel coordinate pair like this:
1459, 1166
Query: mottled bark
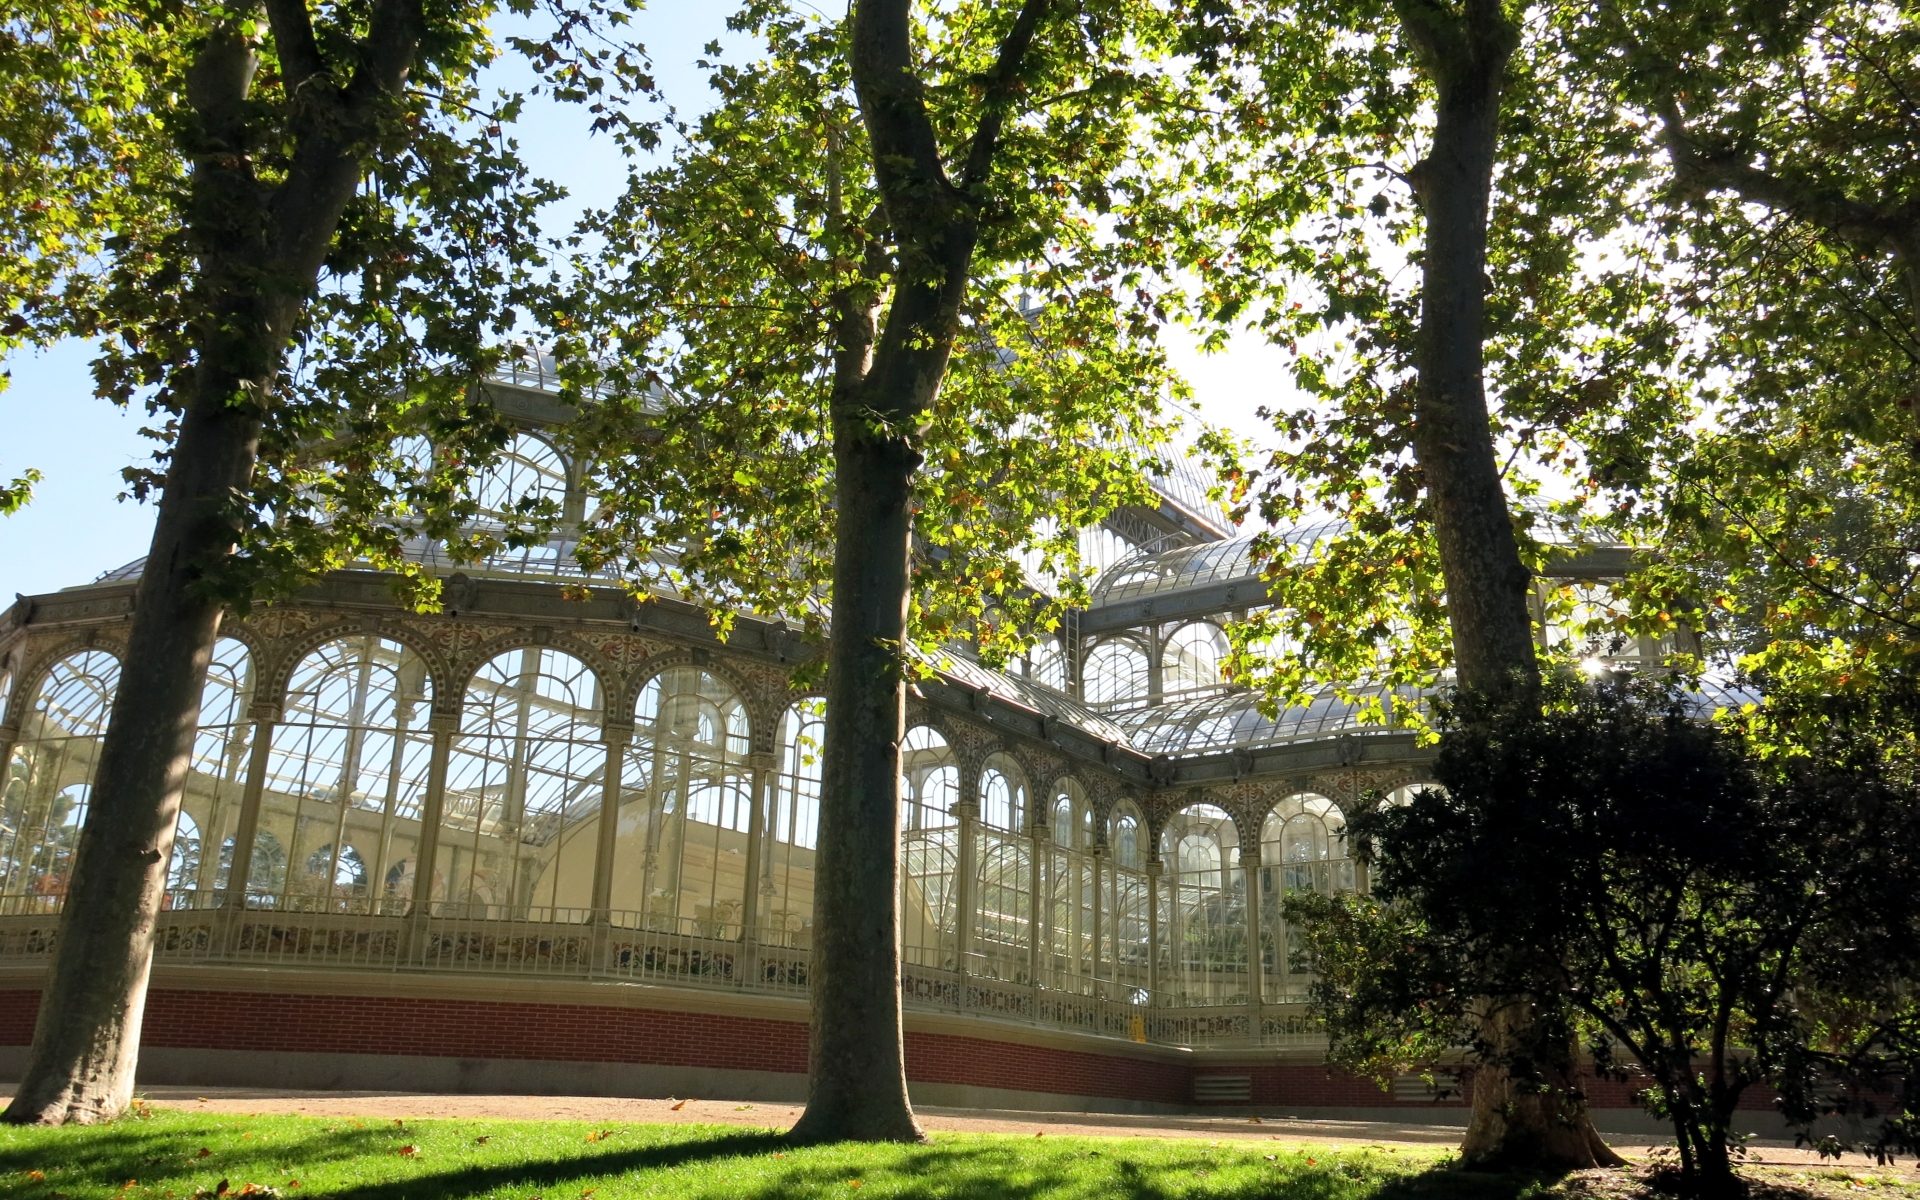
259, 251
1465, 50
883, 387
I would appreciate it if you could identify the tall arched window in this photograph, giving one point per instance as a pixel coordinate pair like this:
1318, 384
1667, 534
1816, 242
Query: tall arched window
1003, 794
1302, 849
1125, 896
1190, 660
6, 692
1068, 885
348, 770
49, 778
686, 808
1204, 916
211, 804
529, 472
517, 830
786, 885
1046, 666
930, 846
1115, 674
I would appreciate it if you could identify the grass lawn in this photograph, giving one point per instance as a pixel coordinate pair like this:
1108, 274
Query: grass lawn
169, 1155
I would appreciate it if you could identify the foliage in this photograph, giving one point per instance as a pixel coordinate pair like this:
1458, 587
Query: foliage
436, 260
711, 315
1784, 245
1322, 125
16, 495
1709, 906
517, 1159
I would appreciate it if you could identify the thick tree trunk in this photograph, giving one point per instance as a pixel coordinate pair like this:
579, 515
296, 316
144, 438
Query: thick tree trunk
1515, 1122
81, 1066
857, 1084
1486, 582
856, 1064
260, 250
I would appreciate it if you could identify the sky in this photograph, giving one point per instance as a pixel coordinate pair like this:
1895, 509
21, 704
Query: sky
78, 527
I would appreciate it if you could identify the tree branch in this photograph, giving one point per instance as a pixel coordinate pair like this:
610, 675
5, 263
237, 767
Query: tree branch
300, 58
1001, 85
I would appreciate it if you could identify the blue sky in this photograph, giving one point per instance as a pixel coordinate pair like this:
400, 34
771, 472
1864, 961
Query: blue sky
76, 528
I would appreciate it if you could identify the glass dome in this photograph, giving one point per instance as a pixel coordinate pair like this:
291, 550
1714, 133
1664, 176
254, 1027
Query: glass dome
1233, 721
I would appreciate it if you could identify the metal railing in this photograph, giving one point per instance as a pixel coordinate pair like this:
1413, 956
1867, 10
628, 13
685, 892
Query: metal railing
563, 943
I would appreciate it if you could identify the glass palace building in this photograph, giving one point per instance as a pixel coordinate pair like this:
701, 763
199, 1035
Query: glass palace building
552, 845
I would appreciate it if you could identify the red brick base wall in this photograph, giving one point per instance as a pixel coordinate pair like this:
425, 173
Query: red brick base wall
391, 1025
209, 1020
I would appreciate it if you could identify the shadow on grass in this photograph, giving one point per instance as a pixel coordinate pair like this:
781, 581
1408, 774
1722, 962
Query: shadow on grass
159, 1154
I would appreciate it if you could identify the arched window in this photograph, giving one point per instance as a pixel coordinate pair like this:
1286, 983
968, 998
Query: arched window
348, 768
1002, 922
1124, 831
1115, 674
529, 472
930, 846
686, 808
1046, 666
1068, 884
1302, 849
217, 781
787, 879
929, 780
1191, 658
266, 867
517, 830
1204, 907
1003, 794
183, 868
49, 777
349, 870
6, 692
1124, 889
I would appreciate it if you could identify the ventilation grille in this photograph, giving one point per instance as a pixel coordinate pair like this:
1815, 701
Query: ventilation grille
1223, 1089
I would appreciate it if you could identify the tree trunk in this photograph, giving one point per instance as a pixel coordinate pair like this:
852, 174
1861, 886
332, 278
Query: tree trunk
856, 1088
1486, 582
260, 250
857, 1083
1515, 1122
81, 1066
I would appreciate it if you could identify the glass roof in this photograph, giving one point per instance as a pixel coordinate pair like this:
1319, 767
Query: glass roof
1233, 720
1157, 573
1031, 695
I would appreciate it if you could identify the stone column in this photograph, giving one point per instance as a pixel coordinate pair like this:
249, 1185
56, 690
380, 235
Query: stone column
1037, 842
1256, 970
1153, 931
967, 813
617, 738
1096, 855
247, 829
426, 854
762, 766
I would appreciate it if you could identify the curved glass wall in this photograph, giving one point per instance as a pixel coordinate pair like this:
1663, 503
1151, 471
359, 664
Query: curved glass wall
339, 827
686, 809
1302, 849
519, 823
1003, 913
1124, 896
216, 782
1203, 899
49, 778
929, 846
1116, 674
786, 886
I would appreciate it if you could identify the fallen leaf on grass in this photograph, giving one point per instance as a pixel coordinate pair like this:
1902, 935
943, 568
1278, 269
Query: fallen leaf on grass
1273, 1158
204, 1152
853, 1183
742, 1107
407, 1151
1039, 1133
129, 1183
483, 1139
777, 1154
36, 1176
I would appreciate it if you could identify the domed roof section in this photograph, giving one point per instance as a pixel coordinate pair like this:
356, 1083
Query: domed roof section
1040, 699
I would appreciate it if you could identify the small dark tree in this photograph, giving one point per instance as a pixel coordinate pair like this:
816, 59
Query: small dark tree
1696, 900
